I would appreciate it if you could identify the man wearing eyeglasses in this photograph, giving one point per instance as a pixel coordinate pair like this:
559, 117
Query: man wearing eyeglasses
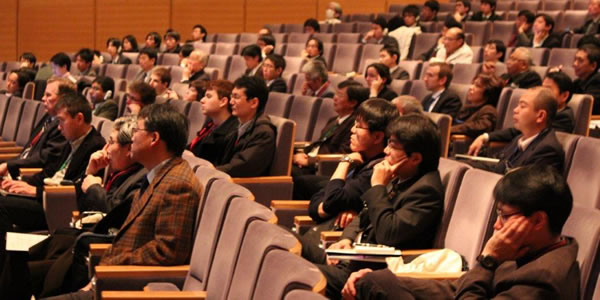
526, 257
455, 50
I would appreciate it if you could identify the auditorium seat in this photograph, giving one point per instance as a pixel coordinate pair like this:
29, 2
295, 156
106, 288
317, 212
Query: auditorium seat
541, 70
237, 67
121, 99
292, 65
464, 73
512, 103
422, 43
247, 37
428, 26
444, 123
303, 295
299, 80
10, 66
132, 56
388, 16
396, 8
27, 122
556, 5
325, 37
361, 17
29, 90
502, 30
12, 118
335, 79
413, 67
120, 84
227, 38
477, 53
343, 27
303, 111
502, 105
572, 19
241, 47
362, 27
196, 120
280, 49
511, 15
297, 37
561, 56
170, 59
208, 48
115, 71
326, 112
211, 38
571, 40
132, 70
212, 72
581, 5
328, 51
280, 38
225, 48
348, 38
179, 88
531, 5
275, 28
451, 173
504, 6
278, 104
418, 89
289, 28
176, 74
294, 49
220, 62
568, 143
369, 52
462, 90
401, 87
582, 177
424, 67
582, 110
479, 30
181, 106
346, 58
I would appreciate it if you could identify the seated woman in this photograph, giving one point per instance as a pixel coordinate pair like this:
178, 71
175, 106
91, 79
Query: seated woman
196, 91
314, 50
15, 83
378, 79
479, 114
334, 206
129, 44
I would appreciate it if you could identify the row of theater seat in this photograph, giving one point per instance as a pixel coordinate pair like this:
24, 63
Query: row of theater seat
503, 5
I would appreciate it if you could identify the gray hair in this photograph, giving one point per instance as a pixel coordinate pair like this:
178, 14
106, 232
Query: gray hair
124, 125
314, 69
200, 55
409, 105
525, 55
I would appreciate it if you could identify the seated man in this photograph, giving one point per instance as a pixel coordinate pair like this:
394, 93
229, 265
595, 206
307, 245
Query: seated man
198, 34
523, 26
448, 23
147, 60
462, 11
83, 60
165, 208
266, 42
333, 13
160, 81
316, 80
113, 47
220, 123
455, 50
46, 144
101, 93
526, 257
61, 64
591, 26
537, 143
195, 67
184, 54
139, 94
402, 208
15, 82
311, 26
586, 63
441, 100
172, 39
377, 33
23, 207
28, 60
404, 34
272, 68
390, 57
518, 70
430, 11
487, 12
334, 206
253, 57
542, 34
560, 84
493, 54
251, 148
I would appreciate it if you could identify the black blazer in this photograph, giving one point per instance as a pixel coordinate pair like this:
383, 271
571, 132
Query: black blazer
336, 142
590, 22
406, 220
590, 85
387, 93
47, 151
123, 60
278, 85
211, 147
449, 103
523, 80
564, 121
478, 16
552, 41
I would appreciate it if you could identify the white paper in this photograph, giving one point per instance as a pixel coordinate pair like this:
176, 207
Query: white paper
22, 241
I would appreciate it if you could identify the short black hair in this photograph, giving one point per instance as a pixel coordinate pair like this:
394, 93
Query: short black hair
500, 47
151, 52
313, 23
347, 83
86, 54
529, 16
186, 49
548, 20
492, 3
563, 81
61, 59
147, 92
156, 37
23, 77
255, 88
28, 56
133, 41
433, 5
171, 125
107, 83
593, 54
537, 187
114, 42
452, 23
382, 70
381, 22
466, 3
357, 92
75, 103
173, 34
202, 30
252, 50
412, 10
319, 44
267, 39
377, 114
392, 50
417, 133
278, 61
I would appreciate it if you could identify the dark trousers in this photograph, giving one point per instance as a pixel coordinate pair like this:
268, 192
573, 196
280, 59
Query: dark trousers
306, 183
24, 212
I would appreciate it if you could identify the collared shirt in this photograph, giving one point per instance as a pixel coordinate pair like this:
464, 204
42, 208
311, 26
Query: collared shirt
524, 143
392, 70
538, 45
253, 71
436, 98
242, 128
60, 174
150, 176
315, 150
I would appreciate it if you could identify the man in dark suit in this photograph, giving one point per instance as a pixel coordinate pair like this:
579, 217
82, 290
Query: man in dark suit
523, 25
592, 25
101, 92
253, 57
526, 257
251, 148
487, 12
378, 35
390, 57
112, 47
172, 39
147, 60
24, 206
211, 139
537, 143
272, 68
195, 67
316, 81
585, 64
542, 34
83, 61
402, 208
46, 144
518, 70
441, 100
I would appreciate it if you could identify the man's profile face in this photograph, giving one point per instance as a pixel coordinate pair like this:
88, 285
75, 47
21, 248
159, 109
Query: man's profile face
432, 79
12, 83
515, 63
525, 115
582, 65
196, 34
387, 59
269, 70
50, 97
490, 53
157, 84
68, 125
241, 106
195, 64
451, 41
171, 43
82, 65
96, 92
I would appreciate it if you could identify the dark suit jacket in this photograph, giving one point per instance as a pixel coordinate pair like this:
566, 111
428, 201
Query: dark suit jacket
478, 16
211, 147
47, 151
160, 225
122, 60
108, 109
408, 220
590, 85
387, 93
278, 85
552, 41
400, 74
198, 76
564, 121
590, 22
553, 275
252, 153
449, 103
76, 169
473, 121
336, 142
523, 80
544, 150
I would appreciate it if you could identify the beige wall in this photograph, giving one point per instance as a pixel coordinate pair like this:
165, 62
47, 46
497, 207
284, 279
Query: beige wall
46, 27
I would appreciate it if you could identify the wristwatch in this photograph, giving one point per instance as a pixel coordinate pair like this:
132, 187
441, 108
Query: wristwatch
347, 159
487, 262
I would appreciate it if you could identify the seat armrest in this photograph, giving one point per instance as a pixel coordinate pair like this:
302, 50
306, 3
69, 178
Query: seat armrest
289, 204
458, 137
286, 210
154, 295
129, 271
15, 149
330, 237
263, 179
327, 163
268, 188
59, 203
98, 249
29, 171
301, 144
595, 117
303, 223
4, 157
8, 144
329, 157
432, 275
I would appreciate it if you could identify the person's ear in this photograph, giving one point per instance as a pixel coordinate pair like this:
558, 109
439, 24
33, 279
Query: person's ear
155, 138
539, 220
254, 103
224, 102
415, 159
541, 116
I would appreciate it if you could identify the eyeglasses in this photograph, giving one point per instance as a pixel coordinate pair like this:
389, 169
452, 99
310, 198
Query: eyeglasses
504, 217
135, 129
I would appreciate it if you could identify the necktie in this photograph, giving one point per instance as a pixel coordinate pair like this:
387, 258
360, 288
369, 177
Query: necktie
206, 130
144, 186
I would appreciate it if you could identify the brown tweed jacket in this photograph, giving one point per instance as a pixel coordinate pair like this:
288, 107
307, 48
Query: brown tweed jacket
159, 228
